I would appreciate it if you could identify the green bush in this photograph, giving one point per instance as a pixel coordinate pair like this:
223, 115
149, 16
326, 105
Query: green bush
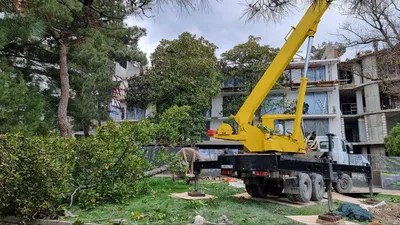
109, 163
34, 174
392, 142
38, 175
42, 175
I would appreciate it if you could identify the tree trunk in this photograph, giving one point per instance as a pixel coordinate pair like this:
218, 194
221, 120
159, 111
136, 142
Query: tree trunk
86, 130
156, 171
63, 123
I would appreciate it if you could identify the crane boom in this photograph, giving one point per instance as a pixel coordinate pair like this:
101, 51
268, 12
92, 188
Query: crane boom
252, 137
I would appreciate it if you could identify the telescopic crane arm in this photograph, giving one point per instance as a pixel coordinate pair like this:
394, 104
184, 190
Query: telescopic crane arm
255, 139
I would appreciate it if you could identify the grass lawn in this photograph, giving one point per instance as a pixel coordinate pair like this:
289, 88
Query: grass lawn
159, 208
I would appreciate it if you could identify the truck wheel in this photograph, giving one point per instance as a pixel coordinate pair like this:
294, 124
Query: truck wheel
256, 191
318, 187
344, 184
291, 197
305, 188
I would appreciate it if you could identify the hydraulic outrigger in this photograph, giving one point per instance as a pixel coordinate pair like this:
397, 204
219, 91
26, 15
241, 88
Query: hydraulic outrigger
274, 162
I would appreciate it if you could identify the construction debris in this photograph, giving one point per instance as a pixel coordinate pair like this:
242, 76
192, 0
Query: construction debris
388, 213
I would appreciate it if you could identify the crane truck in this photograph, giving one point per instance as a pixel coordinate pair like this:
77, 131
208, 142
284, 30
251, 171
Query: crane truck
273, 162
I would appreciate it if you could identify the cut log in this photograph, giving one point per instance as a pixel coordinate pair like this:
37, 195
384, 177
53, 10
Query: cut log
156, 171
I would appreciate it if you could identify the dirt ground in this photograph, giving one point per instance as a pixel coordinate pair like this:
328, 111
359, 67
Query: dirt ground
386, 214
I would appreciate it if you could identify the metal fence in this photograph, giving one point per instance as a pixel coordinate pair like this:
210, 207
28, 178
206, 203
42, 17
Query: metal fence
386, 171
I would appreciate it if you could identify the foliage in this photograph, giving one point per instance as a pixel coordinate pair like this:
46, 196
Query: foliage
40, 173
186, 67
244, 65
174, 161
318, 51
178, 126
247, 62
392, 142
111, 162
34, 174
22, 107
88, 35
184, 73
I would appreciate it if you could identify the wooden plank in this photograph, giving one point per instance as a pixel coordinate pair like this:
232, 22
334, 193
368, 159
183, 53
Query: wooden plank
186, 196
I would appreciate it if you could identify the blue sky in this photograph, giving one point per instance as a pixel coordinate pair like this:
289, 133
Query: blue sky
221, 24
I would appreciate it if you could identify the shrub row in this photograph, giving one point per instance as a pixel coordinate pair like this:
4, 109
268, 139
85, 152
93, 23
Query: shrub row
39, 176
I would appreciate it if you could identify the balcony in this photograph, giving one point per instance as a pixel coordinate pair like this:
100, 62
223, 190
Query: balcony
348, 108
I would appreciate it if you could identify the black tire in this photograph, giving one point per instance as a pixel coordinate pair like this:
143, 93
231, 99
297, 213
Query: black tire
344, 184
256, 191
305, 188
291, 197
318, 187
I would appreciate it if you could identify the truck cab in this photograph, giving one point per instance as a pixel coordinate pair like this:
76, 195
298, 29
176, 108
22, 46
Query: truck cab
341, 149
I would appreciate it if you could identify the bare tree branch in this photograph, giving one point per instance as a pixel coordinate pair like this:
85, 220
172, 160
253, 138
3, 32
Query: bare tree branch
375, 21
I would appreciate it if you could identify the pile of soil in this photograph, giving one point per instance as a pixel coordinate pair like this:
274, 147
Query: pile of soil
386, 214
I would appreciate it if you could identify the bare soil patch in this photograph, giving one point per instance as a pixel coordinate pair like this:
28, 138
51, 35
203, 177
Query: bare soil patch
386, 214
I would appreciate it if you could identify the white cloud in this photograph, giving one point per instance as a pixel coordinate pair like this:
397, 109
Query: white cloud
222, 26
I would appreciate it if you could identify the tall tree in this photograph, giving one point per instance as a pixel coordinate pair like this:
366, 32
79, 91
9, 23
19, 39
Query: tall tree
22, 108
184, 72
80, 37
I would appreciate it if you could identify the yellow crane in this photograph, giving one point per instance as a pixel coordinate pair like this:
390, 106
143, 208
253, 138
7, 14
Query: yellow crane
273, 162
259, 137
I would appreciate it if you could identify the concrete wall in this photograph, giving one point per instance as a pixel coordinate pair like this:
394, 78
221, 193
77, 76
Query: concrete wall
377, 150
216, 106
359, 100
361, 130
369, 69
357, 73
372, 98
375, 128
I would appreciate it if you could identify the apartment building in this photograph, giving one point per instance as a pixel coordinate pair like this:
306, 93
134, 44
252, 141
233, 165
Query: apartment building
119, 110
322, 101
369, 113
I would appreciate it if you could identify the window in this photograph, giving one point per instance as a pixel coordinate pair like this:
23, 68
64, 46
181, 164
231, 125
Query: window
316, 73
273, 104
325, 145
134, 113
319, 126
316, 103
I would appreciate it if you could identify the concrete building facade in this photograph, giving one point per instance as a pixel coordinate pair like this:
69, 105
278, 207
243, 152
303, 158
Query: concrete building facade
322, 100
369, 114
